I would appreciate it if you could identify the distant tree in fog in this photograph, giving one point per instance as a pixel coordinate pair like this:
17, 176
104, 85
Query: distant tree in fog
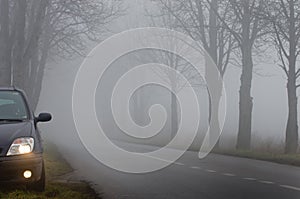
33, 30
199, 20
285, 16
173, 61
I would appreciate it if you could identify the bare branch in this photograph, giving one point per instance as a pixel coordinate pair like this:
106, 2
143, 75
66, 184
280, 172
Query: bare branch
235, 34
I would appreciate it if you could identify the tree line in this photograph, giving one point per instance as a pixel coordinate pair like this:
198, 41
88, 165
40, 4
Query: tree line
33, 32
234, 29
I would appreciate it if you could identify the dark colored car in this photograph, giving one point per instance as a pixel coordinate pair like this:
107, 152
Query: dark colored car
21, 151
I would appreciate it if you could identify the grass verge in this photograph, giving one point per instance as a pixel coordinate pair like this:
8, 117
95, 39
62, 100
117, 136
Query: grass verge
55, 166
289, 159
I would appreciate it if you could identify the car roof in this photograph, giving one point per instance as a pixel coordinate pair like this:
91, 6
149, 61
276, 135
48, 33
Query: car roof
11, 88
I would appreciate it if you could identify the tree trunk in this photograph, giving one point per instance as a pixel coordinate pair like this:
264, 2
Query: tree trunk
216, 94
292, 126
292, 122
138, 107
28, 51
18, 65
5, 70
213, 117
246, 104
174, 116
37, 75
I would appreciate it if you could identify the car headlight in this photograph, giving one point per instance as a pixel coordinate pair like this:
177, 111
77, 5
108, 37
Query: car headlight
21, 146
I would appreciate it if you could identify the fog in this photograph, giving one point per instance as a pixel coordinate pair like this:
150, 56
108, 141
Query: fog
269, 112
268, 91
151, 98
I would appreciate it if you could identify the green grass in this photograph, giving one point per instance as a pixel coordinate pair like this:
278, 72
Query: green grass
55, 166
53, 190
289, 159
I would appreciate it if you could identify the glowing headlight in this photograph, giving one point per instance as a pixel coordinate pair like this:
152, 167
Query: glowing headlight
21, 146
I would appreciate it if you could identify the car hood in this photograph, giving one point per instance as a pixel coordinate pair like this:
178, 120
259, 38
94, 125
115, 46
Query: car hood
11, 131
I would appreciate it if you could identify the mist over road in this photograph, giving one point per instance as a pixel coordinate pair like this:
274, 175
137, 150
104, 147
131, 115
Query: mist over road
215, 177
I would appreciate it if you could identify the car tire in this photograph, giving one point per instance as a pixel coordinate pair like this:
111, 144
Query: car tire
38, 186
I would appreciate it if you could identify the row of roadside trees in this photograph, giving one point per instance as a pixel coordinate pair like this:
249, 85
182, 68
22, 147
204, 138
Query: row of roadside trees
33, 32
235, 29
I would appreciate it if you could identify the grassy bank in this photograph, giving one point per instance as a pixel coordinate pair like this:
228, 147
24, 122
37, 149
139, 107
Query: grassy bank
55, 166
289, 159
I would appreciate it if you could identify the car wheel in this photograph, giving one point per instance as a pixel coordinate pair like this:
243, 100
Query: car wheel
39, 185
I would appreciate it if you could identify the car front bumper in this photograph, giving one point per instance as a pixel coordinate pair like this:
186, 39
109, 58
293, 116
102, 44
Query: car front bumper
13, 167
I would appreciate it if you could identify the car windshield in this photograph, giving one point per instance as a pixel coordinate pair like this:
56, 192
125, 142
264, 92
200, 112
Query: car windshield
12, 106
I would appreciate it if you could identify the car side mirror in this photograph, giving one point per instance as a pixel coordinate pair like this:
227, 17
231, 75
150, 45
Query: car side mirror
43, 117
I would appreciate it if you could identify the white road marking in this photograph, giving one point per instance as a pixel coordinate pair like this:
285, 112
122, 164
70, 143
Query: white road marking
266, 182
179, 163
290, 187
194, 167
210, 171
228, 174
250, 179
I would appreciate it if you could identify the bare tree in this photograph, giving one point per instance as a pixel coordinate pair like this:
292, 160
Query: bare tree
285, 16
199, 20
250, 26
167, 74
67, 28
28, 21
164, 19
174, 62
31, 30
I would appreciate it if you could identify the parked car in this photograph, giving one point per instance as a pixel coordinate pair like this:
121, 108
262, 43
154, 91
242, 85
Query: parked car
21, 151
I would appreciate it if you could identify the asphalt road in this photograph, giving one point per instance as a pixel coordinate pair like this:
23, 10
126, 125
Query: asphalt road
215, 177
